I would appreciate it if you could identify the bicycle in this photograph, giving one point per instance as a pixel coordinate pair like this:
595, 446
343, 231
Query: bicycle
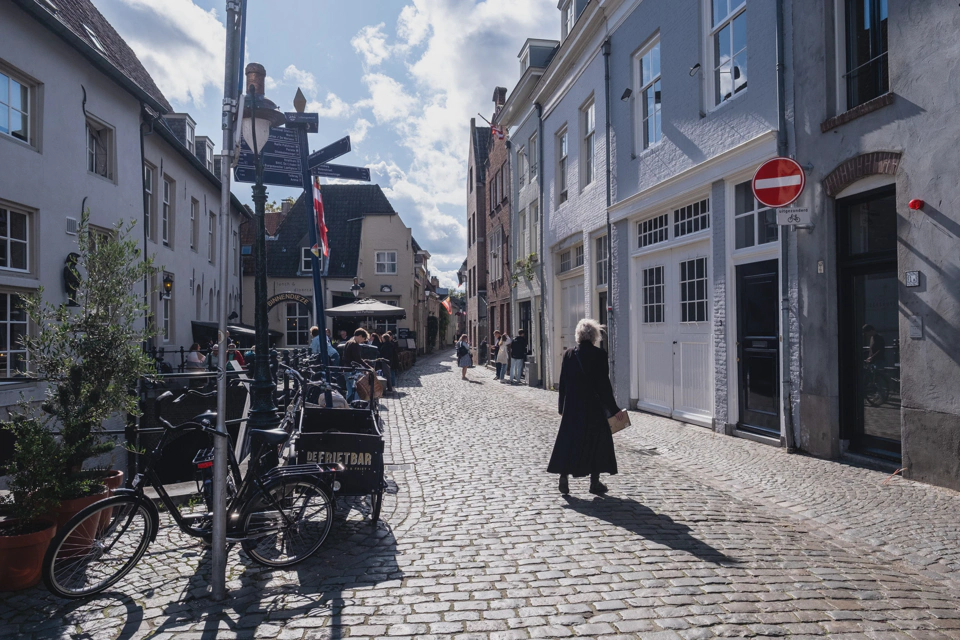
876, 387
279, 515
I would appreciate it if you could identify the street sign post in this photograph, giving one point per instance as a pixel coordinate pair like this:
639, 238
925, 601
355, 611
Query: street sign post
341, 171
330, 152
309, 121
282, 164
793, 215
778, 182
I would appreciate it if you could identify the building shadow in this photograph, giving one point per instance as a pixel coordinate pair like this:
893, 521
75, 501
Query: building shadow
642, 521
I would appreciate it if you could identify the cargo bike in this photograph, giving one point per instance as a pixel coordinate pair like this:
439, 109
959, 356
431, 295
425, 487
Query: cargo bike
347, 435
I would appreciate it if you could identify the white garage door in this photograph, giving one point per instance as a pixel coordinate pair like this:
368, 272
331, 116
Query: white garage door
571, 311
674, 304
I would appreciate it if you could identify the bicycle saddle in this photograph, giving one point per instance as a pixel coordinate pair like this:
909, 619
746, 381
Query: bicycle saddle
209, 416
272, 437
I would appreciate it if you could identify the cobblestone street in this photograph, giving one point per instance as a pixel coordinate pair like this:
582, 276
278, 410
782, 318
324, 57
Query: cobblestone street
701, 536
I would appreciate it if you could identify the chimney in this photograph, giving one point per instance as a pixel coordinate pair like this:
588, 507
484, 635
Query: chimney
285, 206
499, 97
435, 281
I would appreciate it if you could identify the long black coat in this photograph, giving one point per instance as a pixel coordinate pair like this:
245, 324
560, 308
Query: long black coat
584, 444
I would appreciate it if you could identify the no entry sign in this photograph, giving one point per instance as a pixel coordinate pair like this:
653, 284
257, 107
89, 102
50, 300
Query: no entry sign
778, 182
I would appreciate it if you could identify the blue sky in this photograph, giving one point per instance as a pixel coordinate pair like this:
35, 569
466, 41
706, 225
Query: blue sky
402, 77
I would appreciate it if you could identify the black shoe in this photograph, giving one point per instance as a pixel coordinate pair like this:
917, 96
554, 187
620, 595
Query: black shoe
564, 485
598, 488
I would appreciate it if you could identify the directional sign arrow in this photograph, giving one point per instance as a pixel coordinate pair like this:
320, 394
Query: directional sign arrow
329, 152
309, 120
340, 171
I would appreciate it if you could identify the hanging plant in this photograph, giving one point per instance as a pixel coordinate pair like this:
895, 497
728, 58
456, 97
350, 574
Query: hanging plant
524, 268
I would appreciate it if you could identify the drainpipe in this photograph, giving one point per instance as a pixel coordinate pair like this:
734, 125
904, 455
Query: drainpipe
543, 334
782, 150
610, 321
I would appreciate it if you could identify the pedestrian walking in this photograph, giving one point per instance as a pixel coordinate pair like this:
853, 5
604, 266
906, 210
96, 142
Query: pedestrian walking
503, 355
518, 355
584, 443
496, 345
464, 361
315, 340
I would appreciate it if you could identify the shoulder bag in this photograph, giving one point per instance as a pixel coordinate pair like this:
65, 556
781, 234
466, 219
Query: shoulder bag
618, 421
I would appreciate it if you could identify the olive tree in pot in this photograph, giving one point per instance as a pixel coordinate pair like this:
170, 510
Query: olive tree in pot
34, 481
90, 354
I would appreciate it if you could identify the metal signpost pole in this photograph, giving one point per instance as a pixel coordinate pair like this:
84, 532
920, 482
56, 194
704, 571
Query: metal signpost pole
218, 567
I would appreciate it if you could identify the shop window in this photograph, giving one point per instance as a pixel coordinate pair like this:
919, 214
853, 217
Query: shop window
653, 230
653, 295
693, 290
691, 218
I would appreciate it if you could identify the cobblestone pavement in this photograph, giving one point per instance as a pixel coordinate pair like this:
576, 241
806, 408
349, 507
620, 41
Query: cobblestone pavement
701, 536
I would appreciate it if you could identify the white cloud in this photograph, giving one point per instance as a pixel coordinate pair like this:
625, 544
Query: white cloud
299, 78
371, 43
359, 131
180, 44
333, 107
388, 99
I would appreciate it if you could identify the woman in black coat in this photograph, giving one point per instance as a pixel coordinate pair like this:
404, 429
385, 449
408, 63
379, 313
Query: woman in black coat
585, 444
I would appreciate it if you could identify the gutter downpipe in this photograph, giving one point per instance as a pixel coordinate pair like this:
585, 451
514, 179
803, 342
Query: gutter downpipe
611, 351
782, 151
543, 333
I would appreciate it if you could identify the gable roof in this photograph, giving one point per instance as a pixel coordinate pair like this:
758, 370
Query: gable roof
481, 148
105, 49
344, 207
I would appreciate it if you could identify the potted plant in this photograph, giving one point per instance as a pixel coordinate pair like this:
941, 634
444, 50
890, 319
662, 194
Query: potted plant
34, 474
89, 352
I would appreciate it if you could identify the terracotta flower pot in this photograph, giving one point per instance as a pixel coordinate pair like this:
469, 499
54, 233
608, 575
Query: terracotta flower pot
21, 557
81, 539
112, 480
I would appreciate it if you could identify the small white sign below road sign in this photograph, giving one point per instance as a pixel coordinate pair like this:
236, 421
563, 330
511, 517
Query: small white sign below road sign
793, 215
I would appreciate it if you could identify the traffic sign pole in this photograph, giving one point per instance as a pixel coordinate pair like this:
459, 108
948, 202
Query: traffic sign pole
778, 182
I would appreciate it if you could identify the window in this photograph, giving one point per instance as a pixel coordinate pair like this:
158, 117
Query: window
148, 208
534, 151
387, 262
729, 35
866, 33
13, 327
165, 317
653, 230
211, 225
191, 139
14, 245
522, 249
522, 166
470, 180
14, 108
98, 150
306, 260
382, 326
691, 218
589, 124
693, 290
649, 96
534, 227
753, 222
653, 298
566, 20
236, 250
565, 264
603, 259
524, 62
562, 167
578, 256
194, 223
165, 220
94, 39
495, 267
298, 325
503, 184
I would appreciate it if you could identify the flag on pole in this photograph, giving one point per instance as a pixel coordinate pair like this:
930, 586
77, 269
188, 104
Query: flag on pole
321, 225
497, 131
446, 304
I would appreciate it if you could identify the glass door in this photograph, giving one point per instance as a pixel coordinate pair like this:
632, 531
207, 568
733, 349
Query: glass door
869, 323
758, 348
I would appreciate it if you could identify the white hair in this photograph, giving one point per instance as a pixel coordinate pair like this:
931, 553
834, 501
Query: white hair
588, 330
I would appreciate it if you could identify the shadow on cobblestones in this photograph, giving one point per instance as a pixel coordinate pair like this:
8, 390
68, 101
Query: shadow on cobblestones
643, 521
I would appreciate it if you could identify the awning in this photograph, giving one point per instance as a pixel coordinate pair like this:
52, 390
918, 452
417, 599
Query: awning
242, 333
367, 308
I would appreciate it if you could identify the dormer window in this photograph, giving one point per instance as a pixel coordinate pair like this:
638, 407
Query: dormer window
566, 20
524, 62
191, 139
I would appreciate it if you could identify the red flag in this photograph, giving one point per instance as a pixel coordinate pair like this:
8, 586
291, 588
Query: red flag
446, 304
321, 225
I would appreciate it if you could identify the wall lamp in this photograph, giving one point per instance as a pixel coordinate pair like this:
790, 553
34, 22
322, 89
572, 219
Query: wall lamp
626, 94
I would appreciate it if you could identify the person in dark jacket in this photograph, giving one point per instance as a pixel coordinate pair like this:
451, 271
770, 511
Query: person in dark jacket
388, 351
518, 355
584, 443
352, 354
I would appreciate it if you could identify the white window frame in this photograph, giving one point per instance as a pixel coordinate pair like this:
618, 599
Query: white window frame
194, 223
754, 214
534, 158
653, 302
306, 266
521, 167
691, 218
563, 151
602, 260
99, 143
588, 143
566, 261
191, 138
736, 9
699, 300
535, 227
522, 249
148, 189
211, 224
165, 216
7, 327
382, 259
566, 19
645, 85
8, 242
578, 256
653, 230
166, 320
287, 317
11, 79
236, 253
842, 55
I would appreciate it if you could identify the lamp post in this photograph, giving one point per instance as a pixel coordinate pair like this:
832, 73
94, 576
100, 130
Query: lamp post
259, 114
357, 288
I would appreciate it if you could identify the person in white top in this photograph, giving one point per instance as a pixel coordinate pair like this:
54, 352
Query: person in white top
195, 359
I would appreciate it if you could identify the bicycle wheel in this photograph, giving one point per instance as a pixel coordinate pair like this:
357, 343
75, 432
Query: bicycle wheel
98, 546
282, 540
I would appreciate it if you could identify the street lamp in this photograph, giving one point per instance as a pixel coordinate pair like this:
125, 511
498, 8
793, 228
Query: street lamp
259, 114
357, 287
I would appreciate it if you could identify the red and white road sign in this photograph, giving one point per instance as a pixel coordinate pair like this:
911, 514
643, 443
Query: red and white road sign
778, 182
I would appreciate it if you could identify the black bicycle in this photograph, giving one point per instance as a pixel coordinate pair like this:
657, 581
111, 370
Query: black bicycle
280, 515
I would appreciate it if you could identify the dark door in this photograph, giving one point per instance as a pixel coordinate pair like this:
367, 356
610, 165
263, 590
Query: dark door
758, 348
525, 318
869, 323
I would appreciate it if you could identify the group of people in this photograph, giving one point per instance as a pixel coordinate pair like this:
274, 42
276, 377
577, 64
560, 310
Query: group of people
509, 354
196, 360
387, 347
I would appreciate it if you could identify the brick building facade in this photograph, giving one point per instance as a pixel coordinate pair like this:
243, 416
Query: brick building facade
499, 185
476, 282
